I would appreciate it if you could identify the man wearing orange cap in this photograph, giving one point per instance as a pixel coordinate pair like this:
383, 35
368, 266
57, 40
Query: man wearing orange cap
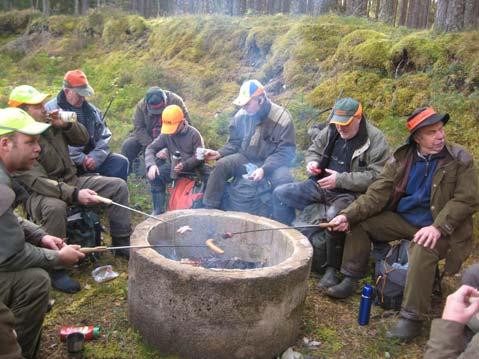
427, 193
261, 133
26, 251
176, 136
53, 181
96, 156
343, 160
148, 119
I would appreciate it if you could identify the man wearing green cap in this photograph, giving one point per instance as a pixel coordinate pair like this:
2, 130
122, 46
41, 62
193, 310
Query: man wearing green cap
343, 160
427, 193
147, 120
96, 156
53, 181
25, 249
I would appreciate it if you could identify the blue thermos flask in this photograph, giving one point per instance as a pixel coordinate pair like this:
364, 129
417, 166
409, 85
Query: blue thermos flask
365, 305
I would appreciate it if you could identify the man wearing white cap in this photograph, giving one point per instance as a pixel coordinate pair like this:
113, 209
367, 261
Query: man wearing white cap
261, 133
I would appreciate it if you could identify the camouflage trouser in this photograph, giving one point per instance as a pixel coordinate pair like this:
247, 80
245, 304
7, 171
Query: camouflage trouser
386, 227
51, 213
26, 294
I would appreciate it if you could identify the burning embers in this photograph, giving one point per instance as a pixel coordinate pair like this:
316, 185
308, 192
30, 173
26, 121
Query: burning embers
223, 263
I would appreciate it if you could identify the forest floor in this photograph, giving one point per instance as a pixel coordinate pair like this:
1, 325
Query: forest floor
332, 323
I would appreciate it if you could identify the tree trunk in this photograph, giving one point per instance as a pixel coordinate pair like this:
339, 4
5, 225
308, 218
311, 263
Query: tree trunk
471, 14
84, 7
76, 7
403, 5
46, 7
441, 15
455, 15
386, 11
377, 9
324, 6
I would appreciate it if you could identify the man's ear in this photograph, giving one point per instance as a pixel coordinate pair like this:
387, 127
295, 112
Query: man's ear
5, 143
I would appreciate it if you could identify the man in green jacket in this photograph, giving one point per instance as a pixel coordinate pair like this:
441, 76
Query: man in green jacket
53, 182
148, 120
343, 160
427, 193
261, 133
25, 249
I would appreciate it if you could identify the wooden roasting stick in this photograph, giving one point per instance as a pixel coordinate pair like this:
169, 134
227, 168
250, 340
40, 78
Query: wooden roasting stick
208, 244
320, 225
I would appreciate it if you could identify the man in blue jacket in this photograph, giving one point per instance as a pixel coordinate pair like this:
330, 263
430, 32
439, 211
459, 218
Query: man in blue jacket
96, 156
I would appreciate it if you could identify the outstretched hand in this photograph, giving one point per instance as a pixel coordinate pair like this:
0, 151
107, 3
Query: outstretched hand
461, 305
340, 223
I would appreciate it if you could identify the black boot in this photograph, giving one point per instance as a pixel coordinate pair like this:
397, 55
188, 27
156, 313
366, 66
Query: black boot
329, 279
344, 289
405, 330
121, 242
158, 199
62, 282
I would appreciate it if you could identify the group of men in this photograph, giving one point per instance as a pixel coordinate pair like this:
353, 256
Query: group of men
56, 154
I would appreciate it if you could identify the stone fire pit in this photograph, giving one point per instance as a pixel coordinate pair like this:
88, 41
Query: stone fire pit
196, 312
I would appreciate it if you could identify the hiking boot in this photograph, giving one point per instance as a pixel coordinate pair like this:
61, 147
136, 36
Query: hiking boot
344, 289
405, 330
63, 283
121, 242
329, 279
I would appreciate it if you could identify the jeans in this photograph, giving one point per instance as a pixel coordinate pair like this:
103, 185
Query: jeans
115, 165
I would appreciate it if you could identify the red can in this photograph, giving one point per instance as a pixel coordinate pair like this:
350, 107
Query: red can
89, 331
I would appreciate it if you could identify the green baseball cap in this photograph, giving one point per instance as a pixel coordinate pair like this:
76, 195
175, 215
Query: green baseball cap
344, 111
13, 119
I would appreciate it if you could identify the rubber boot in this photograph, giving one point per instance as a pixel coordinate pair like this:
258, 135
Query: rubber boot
329, 279
158, 199
121, 242
344, 289
62, 282
405, 330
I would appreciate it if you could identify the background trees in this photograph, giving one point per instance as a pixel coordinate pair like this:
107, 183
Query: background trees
442, 15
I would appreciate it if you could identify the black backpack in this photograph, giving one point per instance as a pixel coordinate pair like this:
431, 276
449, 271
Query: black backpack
390, 275
244, 195
84, 227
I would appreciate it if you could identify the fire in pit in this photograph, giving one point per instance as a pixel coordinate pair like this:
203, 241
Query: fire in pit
196, 303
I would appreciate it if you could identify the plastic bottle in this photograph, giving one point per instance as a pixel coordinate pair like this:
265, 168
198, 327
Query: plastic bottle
365, 305
175, 159
89, 331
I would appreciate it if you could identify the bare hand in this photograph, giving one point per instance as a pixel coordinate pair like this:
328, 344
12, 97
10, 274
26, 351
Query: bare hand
328, 182
153, 171
163, 154
212, 155
461, 305
89, 163
257, 175
55, 119
70, 255
86, 197
340, 223
178, 168
313, 168
52, 242
427, 236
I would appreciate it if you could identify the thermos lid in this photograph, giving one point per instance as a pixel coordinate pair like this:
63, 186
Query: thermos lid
367, 290
96, 332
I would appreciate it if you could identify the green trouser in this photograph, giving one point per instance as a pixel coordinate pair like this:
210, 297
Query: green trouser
387, 227
51, 213
9, 347
26, 294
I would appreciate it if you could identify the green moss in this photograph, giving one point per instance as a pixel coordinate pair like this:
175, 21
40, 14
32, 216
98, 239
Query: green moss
123, 29
16, 21
422, 50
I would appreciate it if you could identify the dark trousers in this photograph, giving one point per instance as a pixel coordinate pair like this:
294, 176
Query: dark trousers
26, 294
386, 227
131, 148
299, 195
115, 165
231, 166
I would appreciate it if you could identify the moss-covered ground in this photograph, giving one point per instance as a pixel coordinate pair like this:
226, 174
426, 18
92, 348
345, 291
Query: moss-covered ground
306, 63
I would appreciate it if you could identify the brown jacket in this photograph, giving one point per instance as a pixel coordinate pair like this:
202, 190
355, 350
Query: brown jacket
447, 341
454, 198
268, 140
55, 174
186, 142
144, 122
